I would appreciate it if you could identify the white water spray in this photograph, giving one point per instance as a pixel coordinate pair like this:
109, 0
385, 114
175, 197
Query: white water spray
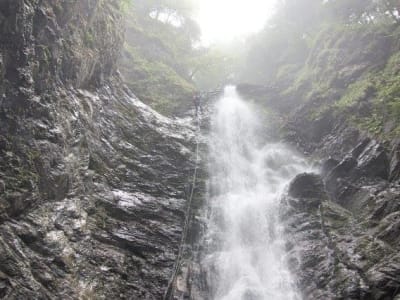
247, 257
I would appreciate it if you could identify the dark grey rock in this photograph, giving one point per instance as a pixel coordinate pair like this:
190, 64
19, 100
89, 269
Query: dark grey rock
328, 165
92, 181
394, 167
360, 148
307, 186
2, 186
346, 245
373, 161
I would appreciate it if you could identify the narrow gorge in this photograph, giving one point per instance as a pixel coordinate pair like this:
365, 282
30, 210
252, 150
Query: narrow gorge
131, 168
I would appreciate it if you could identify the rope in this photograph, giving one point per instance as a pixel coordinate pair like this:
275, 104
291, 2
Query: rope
178, 265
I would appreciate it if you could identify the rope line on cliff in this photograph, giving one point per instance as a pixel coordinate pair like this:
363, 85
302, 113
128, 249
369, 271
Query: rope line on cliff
178, 265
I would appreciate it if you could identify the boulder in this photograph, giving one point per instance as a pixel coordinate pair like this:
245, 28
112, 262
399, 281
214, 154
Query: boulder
307, 185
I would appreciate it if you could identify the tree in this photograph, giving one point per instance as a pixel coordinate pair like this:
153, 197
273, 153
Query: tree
216, 66
389, 8
353, 11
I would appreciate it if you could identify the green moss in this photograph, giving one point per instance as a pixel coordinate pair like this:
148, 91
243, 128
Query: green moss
372, 124
127, 111
393, 65
356, 92
157, 61
370, 250
349, 74
304, 79
125, 5
96, 164
287, 72
386, 105
156, 82
33, 156
317, 112
88, 39
339, 55
101, 217
44, 52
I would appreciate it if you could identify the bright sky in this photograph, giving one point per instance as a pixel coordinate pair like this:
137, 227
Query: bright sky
224, 20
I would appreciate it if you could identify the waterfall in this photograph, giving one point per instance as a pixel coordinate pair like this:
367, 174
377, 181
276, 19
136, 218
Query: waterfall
246, 256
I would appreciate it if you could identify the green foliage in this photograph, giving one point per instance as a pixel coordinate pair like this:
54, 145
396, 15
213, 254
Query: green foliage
125, 5
156, 62
325, 52
379, 95
384, 88
349, 11
287, 72
355, 93
317, 31
157, 83
332, 57
373, 124
216, 65
393, 65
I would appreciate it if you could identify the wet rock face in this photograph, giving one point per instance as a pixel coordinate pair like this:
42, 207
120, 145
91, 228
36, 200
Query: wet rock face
306, 186
343, 228
76, 42
105, 213
43, 49
92, 182
394, 168
347, 247
306, 192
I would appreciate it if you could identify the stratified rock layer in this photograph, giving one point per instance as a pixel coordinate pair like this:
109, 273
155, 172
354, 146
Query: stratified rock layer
92, 182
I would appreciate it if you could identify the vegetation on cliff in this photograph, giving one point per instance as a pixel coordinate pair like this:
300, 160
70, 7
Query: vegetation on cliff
160, 36
332, 57
164, 61
312, 51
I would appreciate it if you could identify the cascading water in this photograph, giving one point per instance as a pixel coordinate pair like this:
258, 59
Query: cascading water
244, 239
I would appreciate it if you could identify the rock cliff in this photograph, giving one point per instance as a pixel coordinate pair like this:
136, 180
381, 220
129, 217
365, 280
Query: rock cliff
92, 182
342, 223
